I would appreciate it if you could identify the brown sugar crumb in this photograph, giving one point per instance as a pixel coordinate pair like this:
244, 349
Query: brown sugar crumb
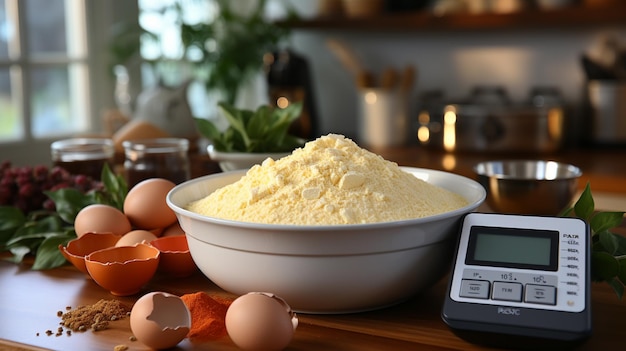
132, 338
95, 317
120, 348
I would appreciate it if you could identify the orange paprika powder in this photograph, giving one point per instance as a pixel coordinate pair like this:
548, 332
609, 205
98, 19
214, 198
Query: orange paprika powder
208, 316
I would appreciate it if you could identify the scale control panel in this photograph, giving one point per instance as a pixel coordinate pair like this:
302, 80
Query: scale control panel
538, 263
520, 279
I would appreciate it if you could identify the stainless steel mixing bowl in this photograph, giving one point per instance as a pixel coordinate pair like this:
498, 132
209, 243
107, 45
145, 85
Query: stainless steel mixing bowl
528, 186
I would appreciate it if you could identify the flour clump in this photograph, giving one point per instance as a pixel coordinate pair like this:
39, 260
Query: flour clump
329, 181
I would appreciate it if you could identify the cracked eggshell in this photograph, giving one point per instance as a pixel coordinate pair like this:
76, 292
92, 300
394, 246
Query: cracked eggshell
77, 249
160, 320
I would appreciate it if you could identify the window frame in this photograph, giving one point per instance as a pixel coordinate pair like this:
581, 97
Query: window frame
100, 17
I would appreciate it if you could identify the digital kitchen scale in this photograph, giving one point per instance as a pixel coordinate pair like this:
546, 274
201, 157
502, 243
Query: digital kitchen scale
520, 281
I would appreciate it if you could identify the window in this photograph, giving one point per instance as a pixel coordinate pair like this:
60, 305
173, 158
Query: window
162, 18
43, 69
55, 72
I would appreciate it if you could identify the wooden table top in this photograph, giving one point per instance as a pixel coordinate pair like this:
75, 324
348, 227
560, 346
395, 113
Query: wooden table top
29, 300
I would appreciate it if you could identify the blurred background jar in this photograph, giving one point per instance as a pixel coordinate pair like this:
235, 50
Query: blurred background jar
83, 155
165, 158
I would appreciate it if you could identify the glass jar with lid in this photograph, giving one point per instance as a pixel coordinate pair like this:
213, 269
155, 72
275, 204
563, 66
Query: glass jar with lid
165, 158
83, 155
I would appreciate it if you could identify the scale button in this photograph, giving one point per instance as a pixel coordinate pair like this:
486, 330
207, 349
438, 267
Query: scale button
543, 294
507, 291
478, 289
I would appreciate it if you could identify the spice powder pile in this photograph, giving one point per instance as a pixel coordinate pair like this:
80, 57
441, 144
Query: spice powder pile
208, 314
95, 317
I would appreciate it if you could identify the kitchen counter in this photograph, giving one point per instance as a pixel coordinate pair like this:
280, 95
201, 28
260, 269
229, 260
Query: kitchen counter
29, 300
603, 167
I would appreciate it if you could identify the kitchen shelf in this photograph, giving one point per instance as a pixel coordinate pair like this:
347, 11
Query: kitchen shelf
573, 17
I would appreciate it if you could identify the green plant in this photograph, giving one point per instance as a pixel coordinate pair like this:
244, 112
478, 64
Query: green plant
41, 232
224, 51
230, 49
264, 130
608, 249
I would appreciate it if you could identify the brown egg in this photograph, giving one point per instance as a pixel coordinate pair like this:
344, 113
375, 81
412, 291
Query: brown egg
99, 218
146, 207
173, 230
136, 237
260, 321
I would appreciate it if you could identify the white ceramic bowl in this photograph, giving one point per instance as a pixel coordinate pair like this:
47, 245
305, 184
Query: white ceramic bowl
230, 161
324, 269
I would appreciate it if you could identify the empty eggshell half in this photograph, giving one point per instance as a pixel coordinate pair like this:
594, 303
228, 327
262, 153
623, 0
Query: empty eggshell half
123, 270
160, 320
78, 248
175, 259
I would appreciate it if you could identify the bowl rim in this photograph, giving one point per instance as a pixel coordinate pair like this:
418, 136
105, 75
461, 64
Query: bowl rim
472, 205
574, 171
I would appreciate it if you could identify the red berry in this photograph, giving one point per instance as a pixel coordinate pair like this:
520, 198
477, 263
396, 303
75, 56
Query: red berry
27, 190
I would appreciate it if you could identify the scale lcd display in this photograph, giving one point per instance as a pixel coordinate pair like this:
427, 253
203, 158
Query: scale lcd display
513, 247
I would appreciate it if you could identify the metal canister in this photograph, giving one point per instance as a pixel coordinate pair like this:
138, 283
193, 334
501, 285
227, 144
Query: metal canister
607, 100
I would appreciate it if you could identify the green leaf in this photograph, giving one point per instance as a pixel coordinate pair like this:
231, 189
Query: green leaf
603, 221
70, 201
48, 254
208, 129
603, 266
585, 205
621, 244
567, 212
609, 242
264, 130
29, 237
622, 269
19, 252
617, 286
259, 122
236, 121
11, 218
608, 255
116, 189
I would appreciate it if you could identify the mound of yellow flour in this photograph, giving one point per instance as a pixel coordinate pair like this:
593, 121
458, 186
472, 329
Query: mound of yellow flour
329, 181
